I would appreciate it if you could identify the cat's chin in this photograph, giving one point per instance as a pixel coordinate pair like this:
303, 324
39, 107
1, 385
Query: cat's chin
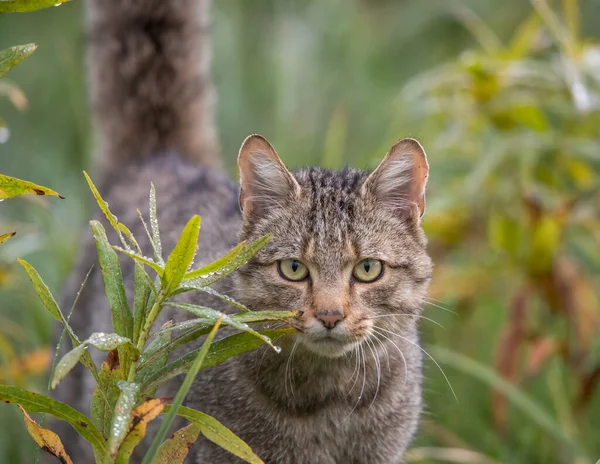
327, 347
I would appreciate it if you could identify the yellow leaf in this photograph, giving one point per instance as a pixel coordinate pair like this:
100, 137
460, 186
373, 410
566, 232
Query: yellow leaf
46, 439
141, 416
13, 187
5, 237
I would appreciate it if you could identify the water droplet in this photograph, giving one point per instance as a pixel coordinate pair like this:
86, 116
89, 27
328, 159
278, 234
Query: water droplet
4, 134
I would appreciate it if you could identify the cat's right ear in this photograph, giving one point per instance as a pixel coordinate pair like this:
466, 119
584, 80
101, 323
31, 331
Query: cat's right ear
265, 181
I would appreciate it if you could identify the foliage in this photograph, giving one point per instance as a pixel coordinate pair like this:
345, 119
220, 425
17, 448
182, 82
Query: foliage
322, 80
517, 125
123, 402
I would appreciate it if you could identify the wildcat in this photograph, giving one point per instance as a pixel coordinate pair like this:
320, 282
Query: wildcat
347, 251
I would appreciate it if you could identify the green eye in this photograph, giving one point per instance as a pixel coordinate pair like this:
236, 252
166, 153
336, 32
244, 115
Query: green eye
368, 270
292, 269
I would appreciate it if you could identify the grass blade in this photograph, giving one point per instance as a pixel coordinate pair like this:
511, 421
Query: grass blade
181, 394
220, 351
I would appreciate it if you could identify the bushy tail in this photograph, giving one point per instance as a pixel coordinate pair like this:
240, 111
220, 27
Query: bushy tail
151, 91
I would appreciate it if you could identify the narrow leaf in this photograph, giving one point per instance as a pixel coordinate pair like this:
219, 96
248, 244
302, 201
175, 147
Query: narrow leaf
49, 302
216, 432
34, 402
22, 6
155, 356
245, 255
12, 187
182, 255
120, 228
8, 59
220, 351
141, 259
46, 439
5, 237
106, 393
181, 394
141, 415
113, 284
218, 264
122, 417
141, 296
68, 362
100, 341
209, 314
176, 448
154, 224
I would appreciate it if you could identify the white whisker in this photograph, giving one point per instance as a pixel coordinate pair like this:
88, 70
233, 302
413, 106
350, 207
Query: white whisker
377, 367
397, 348
410, 315
428, 355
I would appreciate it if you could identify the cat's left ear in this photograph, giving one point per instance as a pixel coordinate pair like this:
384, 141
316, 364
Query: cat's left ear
399, 180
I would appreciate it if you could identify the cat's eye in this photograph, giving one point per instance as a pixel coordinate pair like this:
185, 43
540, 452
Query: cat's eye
368, 270
292, 269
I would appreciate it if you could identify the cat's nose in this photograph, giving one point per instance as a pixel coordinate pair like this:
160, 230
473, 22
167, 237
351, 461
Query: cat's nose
330, 317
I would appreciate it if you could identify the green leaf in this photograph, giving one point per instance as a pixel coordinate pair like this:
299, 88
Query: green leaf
141, 415
182, 255
142, 292
45, 438
34, 402
106, 393
225, 298
23, 6
5, 237
181, 394
211, 314
113, 284
218, 264
8, 59
100, 341
248, 251
154, 225
67, 363
122, 416
216, 432
49, 302
120, 228
141, 259
12, 187
220, 351
176, 448
155, 356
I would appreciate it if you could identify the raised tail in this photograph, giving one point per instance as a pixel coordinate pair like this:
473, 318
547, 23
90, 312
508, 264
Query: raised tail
151, 91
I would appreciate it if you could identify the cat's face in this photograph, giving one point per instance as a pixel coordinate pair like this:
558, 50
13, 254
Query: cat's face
347, 249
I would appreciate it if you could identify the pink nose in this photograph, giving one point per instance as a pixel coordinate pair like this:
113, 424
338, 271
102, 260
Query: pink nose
330, 317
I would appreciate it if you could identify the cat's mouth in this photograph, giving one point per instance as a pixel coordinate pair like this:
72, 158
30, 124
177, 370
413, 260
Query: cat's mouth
330, 343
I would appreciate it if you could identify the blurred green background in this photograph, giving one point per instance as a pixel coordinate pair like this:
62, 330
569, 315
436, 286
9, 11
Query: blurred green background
504, 96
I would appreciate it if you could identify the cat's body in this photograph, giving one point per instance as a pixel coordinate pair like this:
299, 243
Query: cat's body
348, 389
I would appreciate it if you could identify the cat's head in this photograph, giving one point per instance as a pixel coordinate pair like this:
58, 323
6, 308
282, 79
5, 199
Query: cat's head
347, 251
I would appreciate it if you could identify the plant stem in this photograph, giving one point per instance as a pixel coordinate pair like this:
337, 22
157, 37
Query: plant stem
143, 337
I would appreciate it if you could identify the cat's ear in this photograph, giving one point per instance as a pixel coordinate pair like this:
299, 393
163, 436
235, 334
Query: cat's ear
399, 180
265, 181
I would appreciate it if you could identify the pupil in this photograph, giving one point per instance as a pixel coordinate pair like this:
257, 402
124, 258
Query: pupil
367, 266
294, 266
